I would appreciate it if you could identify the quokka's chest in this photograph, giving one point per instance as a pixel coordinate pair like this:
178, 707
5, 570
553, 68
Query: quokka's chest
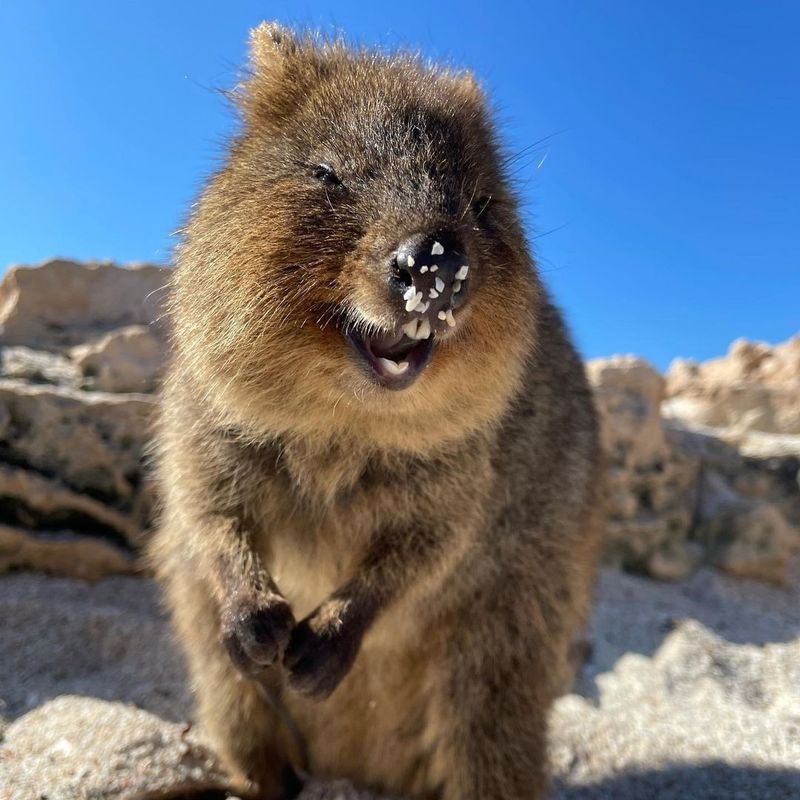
311, 548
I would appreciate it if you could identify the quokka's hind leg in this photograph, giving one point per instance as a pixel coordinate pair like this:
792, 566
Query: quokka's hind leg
246, 730
498, 684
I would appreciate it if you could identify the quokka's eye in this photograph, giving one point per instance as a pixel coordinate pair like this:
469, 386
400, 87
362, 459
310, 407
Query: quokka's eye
327, 175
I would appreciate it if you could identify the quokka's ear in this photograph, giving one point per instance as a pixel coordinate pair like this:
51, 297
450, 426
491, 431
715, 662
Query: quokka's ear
466, 87
270, 44
282, 65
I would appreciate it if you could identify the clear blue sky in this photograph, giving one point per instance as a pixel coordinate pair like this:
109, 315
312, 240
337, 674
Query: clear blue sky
665, 214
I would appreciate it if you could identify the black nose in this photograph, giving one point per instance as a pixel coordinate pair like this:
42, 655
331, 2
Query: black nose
431, 274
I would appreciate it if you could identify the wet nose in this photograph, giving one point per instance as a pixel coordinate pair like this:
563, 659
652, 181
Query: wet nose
432, 277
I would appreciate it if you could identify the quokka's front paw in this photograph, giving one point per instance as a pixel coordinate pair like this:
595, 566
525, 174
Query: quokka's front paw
322, 650
256, 631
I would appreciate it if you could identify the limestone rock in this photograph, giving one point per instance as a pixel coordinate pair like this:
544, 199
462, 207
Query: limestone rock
748, 512
703, 718
744, 537
73, 748
651, 482
37, 366
754, 389
125, 360
80, 360
92, 441
69, 556
43, 502
77, 455
64, 302
678, 496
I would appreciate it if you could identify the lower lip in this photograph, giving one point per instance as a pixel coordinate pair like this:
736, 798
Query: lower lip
417, 361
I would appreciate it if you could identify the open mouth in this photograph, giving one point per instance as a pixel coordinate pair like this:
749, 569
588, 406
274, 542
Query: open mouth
394, 359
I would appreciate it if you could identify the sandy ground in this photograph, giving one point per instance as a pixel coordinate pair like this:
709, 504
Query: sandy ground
692, 692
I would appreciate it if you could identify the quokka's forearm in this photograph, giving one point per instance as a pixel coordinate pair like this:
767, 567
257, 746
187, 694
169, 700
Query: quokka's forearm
223, 549
396, 559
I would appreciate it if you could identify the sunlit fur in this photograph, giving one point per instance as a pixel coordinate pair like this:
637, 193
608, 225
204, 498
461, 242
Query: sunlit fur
458, 515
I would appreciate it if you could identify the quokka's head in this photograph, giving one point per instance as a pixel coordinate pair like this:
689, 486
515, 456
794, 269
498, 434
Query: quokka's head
358, 263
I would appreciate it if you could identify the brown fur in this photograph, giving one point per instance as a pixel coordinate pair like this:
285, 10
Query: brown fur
403, 571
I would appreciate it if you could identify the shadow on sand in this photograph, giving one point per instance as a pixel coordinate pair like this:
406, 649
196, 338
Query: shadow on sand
710, 781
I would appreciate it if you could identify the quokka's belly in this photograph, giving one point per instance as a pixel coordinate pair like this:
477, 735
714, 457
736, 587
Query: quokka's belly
382, 727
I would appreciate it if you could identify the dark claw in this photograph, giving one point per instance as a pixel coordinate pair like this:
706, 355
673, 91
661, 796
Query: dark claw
257, 632
318, 660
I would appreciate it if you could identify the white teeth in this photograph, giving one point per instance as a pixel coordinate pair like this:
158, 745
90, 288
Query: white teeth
462, 273
410, 328
450, 318
409, 293
423, 269
434, 267
414, 301
442, 316
423, 307
439, 284
411, 261
433, 294
437, 249
392, 367
424, 329
456, 287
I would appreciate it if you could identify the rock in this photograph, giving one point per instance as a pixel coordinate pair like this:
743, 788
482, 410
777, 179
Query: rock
702, 718
93, 441
80, 360
73, 557
754, 389
678, 497
748, 512
651, 488
125, 360
43, 502
749, 540
629, 392
73, 748
776, 479
62, 303
37, 366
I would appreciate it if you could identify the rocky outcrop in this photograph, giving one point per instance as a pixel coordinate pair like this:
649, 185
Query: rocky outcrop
81, 351
750, 397
91, 442
62, 554
703, 471
702, 468
678, 495
702, 718
652, 483
72, 748
61, 303
125, 360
